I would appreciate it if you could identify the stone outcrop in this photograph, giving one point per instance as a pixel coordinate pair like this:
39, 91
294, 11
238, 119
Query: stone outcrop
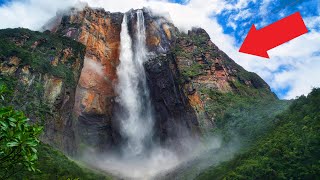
175, 118
99, 31
43, 70
204, 67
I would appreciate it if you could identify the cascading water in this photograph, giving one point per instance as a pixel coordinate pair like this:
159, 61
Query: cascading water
141, 158
133, 95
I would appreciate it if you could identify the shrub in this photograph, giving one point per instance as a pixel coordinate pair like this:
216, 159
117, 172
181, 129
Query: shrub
18, 141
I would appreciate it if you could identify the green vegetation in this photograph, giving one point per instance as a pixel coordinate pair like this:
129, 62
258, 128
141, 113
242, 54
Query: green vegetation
18, 140
248, 118
194, 70
199, 39
244, 83
288, 149
260, 90
52, 164
21, 155
21, 43
242, 76
33, 103
221, 103
38, 50
178, 51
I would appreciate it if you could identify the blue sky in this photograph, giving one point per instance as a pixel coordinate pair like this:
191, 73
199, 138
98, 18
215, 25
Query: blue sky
3, 1
292, 70
275, 11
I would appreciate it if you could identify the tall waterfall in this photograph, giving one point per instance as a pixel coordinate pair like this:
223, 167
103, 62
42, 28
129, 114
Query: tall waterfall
133, 96
140, 157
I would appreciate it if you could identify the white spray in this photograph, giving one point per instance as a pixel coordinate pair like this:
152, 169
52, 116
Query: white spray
133, 95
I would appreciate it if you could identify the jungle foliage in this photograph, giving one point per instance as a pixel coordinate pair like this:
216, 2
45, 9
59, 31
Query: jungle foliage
289, 149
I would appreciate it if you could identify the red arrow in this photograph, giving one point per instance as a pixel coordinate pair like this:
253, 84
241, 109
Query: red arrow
258, 42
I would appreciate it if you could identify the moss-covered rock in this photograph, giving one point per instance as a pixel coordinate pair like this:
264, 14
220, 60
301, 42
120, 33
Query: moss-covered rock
42, 70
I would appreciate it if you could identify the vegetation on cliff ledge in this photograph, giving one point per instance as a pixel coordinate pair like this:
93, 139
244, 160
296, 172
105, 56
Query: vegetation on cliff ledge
29, 60
39, 50
242, 116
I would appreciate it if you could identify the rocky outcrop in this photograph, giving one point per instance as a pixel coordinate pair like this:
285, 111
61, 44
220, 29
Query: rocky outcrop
42, 70
99, 31
175, 118
204, 67
203, 64
70, 86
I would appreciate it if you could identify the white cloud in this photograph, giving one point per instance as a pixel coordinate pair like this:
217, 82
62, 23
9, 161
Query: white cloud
30, 13
297, 54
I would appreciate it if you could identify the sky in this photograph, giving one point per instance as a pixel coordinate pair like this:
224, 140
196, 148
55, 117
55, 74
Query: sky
292, 70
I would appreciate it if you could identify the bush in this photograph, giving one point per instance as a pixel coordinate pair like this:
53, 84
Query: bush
52, 164
18, 142
194, 70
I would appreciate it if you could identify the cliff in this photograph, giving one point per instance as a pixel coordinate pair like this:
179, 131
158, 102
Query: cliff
207, 73
77, 84
100, 31
42, 70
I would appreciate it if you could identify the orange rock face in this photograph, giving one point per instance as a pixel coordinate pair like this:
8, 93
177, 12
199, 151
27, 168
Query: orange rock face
195, 101
166, 29
99, 31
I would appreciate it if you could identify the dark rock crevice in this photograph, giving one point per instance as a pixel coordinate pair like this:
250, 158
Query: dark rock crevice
175, 118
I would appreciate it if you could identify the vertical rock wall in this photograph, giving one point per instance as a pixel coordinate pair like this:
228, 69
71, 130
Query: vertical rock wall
99, 31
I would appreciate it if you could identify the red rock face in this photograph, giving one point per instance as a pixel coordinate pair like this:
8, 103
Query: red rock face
204, 66
99, 31
101, 35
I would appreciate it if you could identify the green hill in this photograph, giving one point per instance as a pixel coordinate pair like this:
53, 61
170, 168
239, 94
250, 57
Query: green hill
288, 150
54, 165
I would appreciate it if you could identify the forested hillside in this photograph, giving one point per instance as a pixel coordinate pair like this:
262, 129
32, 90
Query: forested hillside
288, 150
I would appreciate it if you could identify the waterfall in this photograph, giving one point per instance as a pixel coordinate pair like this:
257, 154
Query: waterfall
136, 122
140, 158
